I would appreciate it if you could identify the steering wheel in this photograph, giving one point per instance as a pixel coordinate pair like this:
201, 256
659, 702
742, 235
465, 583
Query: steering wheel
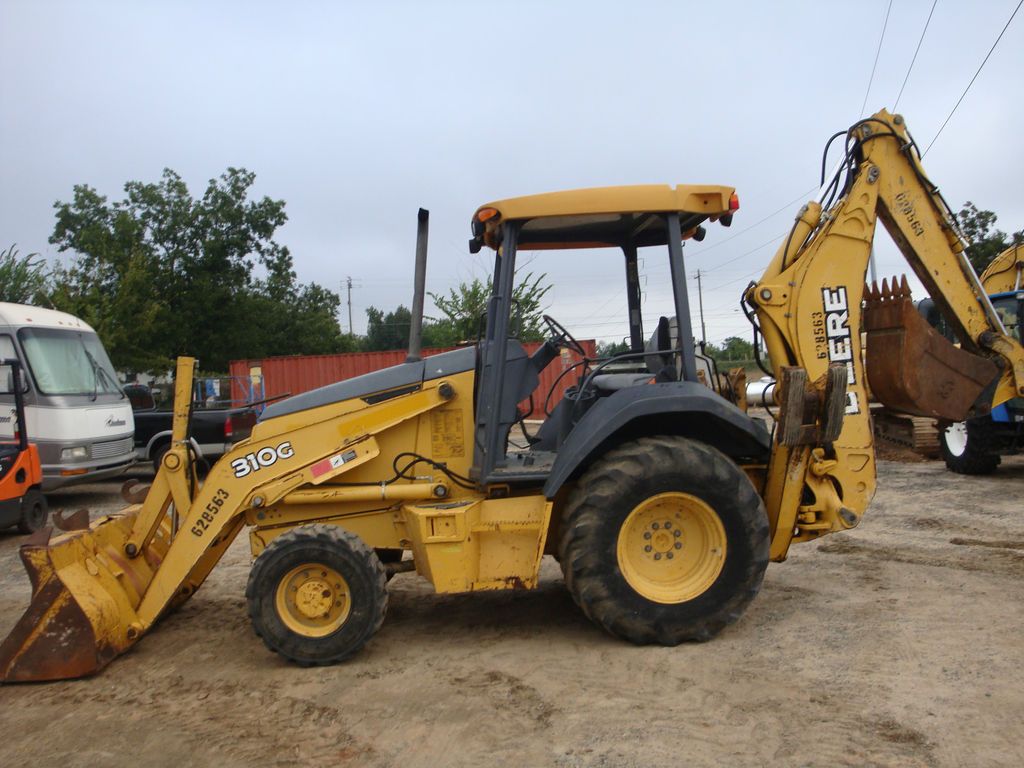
561, 337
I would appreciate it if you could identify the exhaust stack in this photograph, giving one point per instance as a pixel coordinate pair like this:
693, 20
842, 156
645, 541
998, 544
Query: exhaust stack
419, 287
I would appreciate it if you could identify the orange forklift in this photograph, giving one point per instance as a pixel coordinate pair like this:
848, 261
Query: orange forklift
21, 498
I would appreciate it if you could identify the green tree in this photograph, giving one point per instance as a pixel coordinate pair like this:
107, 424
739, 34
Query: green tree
612, 348
391, 331
732, 349
465, 307
161, 273
23, 279
986, 241
387, 331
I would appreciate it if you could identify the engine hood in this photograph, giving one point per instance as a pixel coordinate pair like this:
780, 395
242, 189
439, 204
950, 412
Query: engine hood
403, 375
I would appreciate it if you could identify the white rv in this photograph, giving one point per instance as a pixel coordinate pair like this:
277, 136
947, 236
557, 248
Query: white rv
75, 410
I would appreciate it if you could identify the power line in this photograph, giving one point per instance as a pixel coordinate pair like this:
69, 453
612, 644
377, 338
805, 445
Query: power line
758, 223
747, 253
877, 53
738, 279
975, 76
923, 31
727, 262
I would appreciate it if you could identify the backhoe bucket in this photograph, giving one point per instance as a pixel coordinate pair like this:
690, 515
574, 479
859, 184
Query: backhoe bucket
85, 592
912, 368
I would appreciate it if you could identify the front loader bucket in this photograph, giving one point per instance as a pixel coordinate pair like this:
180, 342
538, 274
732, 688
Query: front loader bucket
85, 591
912, 368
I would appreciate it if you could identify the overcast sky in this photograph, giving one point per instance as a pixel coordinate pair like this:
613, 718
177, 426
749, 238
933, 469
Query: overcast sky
358, 114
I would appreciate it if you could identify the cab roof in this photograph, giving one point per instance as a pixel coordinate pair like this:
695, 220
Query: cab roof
605, 216
18, 315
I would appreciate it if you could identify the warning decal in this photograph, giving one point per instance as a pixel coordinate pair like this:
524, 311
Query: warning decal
446, 435
325, 466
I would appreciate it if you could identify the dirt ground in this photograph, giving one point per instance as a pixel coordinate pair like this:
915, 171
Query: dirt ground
898, 644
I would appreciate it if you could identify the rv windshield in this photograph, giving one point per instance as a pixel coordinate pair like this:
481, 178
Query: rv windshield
68, 362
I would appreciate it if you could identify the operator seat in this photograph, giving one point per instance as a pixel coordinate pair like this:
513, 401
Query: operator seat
658, 362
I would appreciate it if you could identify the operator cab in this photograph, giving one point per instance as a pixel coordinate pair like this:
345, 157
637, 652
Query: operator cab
624, 218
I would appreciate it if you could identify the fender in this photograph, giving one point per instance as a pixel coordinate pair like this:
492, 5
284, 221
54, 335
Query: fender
672, 408
166, 436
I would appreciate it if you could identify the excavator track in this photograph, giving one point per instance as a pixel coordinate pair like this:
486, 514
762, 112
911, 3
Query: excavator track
919, 433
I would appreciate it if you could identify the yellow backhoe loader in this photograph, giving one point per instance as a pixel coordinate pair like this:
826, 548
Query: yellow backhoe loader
661, 498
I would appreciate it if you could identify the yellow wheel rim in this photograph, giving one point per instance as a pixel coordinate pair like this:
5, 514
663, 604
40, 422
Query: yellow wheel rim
313, 600
671, 547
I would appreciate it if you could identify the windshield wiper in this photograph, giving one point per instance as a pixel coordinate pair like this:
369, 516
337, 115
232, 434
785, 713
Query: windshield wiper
99, 372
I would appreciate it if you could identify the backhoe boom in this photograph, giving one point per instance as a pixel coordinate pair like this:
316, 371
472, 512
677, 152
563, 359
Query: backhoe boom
809, 309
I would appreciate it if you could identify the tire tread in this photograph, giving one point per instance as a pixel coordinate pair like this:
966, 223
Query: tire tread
599, 490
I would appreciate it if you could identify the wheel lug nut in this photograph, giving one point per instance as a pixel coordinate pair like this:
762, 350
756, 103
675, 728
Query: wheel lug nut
668, 555
677, 533
647, 548
654, 526
647, 534
679, 545
667, 525
657, 555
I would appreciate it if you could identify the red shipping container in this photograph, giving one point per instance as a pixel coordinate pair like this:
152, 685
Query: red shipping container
294, 374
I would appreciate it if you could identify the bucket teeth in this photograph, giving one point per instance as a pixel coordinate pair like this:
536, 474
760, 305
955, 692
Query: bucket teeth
897, 290
911, 367
76, 521
134, 492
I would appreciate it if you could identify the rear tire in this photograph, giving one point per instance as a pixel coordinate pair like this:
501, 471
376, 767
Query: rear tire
34, 512
648, 582
967, 447
158, 455
316, 595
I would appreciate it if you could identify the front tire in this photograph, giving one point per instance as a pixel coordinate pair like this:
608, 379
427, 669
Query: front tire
966, 447
664, 540
316, 595
33, 512
158, 455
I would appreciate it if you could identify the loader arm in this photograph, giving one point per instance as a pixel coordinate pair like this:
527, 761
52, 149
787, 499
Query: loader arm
97, 591
809, 309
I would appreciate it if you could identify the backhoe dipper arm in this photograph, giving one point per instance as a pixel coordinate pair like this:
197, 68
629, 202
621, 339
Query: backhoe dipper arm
809, 308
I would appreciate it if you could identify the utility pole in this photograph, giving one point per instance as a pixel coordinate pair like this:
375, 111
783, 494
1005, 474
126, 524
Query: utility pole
700, 300
348, 281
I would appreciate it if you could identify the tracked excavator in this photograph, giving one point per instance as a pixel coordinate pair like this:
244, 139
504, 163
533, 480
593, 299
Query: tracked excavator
661, 498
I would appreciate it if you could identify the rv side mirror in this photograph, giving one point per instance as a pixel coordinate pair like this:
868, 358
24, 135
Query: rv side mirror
7, 379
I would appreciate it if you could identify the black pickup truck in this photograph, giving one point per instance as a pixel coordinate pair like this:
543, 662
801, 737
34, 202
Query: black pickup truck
212, 430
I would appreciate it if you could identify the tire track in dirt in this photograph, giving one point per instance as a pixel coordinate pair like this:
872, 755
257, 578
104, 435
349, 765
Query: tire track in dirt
1000, 561
220, 718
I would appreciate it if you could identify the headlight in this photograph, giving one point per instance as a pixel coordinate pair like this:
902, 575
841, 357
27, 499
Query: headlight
74, 454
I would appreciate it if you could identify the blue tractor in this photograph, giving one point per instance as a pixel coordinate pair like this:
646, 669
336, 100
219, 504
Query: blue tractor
976, 446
